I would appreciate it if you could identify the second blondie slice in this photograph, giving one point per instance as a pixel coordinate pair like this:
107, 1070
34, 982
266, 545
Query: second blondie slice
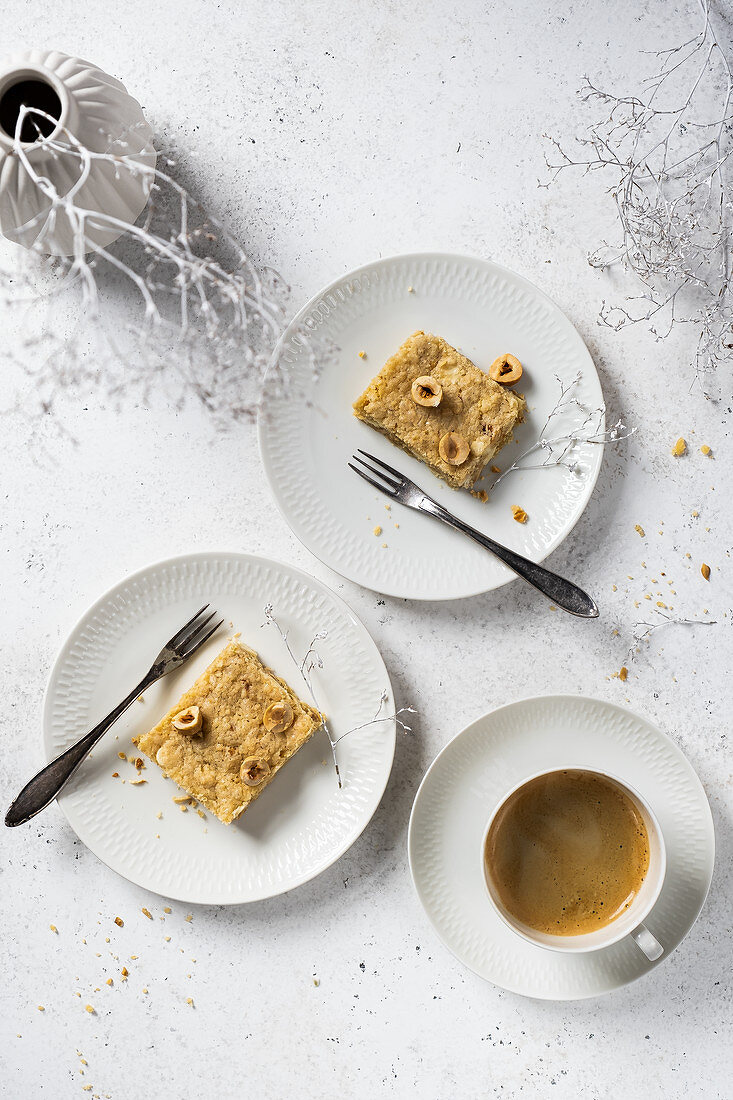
230, 733
440, 407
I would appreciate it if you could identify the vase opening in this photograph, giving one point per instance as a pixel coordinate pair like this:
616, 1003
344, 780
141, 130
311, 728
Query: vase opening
37, 95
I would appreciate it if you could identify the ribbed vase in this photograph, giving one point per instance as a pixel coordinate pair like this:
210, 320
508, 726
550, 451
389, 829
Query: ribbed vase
96, 115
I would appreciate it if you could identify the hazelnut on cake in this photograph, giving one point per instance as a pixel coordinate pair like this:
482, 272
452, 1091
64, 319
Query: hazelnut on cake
441, 408
228, 736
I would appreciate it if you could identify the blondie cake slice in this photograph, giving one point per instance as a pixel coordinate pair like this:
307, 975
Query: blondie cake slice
230, 733
439, 407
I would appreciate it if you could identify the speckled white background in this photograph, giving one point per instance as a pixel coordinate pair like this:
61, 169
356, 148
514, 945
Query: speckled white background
326, 134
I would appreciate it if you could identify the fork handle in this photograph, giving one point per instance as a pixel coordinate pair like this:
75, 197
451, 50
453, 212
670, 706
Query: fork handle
47, 784
563, 593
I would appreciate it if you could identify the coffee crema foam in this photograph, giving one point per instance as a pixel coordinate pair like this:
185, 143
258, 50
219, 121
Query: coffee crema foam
567, 853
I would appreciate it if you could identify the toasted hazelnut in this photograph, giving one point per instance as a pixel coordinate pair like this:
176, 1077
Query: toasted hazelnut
254, 771
506, 369
453, 449
278, 717
427, 391
188, 720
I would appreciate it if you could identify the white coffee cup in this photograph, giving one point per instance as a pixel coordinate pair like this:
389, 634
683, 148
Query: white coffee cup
628, 923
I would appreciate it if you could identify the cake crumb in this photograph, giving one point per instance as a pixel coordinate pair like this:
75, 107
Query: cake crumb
90, 1009
189, 1001
189, 917
519, 514
362, 355
125, 973
122, 756
41, 1008
495, 469
623, 673
159, 815
680, 447
705, 449
316, 981
110, 982
410, 290
705, 570
146, 913
638, 528
119, 922
482, 495
53, 928
377, 530
167, 909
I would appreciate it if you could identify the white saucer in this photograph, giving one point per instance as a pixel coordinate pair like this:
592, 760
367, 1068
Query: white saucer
489, 757
308, 432
302, 823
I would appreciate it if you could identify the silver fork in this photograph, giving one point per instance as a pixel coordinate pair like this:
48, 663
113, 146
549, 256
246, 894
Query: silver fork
47, 784
395, 485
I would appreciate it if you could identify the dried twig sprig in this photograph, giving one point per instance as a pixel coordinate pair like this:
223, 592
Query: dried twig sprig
642, 632
558, 450
199, 308
667, 151
312, 660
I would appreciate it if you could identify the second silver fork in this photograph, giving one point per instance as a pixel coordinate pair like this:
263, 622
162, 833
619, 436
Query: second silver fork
48, 783
398, 487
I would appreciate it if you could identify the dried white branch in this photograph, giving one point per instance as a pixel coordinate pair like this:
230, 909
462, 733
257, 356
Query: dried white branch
642, 632
668, 154
558, 449
201, 314
312, 660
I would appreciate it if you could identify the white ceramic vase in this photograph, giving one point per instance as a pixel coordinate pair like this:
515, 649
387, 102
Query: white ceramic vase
94, 112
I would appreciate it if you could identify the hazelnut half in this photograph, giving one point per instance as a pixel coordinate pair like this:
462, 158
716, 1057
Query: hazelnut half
188, 720
254, 771
506, 369
453, 449
278, 717
427, 391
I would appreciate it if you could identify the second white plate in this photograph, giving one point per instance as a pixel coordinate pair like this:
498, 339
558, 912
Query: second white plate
303, 822
308, 432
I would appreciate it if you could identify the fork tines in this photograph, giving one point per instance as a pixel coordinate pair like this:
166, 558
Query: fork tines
390, 480
189, 638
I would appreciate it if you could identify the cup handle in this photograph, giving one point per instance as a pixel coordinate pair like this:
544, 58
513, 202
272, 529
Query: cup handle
647, 943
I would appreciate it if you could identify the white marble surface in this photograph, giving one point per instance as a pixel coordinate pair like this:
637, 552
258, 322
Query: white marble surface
326, 134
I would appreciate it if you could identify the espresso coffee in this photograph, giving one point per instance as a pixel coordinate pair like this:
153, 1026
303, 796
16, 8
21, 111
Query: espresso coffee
567, 852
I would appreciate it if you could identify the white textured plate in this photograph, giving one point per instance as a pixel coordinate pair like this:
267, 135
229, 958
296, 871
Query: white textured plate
302, 823
308, 432
466, 780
